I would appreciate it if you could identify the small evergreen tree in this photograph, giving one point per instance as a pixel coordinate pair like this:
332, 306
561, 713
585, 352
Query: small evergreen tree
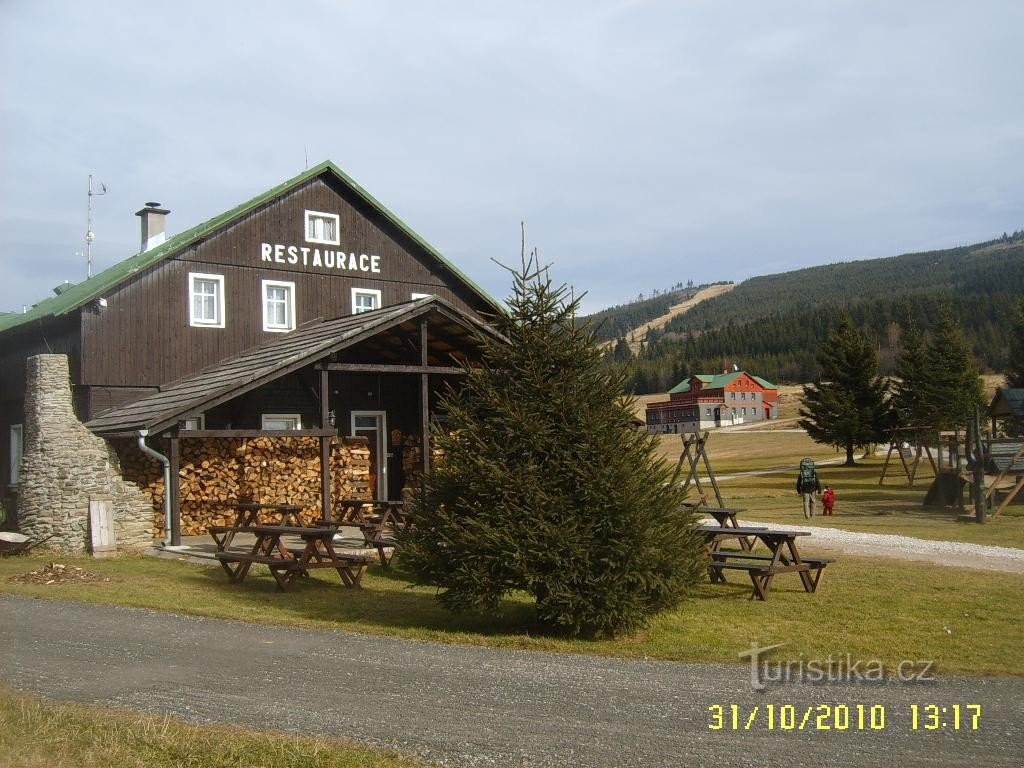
1015, 369
544, 486
953, 387
845, 407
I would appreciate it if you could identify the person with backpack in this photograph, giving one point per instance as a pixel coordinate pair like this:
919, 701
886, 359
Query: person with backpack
807, 485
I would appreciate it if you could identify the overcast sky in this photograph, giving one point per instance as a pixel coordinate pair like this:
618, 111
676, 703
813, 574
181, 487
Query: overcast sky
644, 143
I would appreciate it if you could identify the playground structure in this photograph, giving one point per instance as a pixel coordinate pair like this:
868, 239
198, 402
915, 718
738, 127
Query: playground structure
910, 443
695, 449
991, 467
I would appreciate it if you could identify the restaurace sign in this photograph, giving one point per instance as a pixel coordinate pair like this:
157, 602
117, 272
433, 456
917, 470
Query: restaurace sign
326, 258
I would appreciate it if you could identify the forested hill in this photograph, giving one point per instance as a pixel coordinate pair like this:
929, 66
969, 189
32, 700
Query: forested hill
773, 325
617, 321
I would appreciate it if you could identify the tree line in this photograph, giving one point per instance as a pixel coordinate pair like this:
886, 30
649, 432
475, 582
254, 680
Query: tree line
936, 386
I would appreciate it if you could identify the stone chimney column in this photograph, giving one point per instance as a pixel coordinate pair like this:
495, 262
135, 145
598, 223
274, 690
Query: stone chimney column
64, 465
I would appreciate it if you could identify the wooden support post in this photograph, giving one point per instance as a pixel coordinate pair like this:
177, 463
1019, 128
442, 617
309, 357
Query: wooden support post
325, 448
174, 491
974, 445
424, 400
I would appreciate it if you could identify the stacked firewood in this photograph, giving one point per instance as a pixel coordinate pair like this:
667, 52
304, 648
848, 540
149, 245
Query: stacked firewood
412, 463
215, 474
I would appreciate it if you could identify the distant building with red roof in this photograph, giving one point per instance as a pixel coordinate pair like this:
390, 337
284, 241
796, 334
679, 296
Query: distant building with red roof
708, 401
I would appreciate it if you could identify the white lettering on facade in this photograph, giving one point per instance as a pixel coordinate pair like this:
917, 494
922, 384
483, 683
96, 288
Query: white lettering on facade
313, 257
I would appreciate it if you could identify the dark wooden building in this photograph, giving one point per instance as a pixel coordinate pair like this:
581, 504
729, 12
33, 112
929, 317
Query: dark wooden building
355, 322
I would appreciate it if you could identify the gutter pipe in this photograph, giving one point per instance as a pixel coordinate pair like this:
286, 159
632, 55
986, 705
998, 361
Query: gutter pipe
167, 482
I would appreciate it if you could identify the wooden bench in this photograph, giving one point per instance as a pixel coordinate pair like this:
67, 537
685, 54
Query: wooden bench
761, 572
237, 565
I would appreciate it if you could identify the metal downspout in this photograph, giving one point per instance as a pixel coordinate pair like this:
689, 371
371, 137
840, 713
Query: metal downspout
167, 482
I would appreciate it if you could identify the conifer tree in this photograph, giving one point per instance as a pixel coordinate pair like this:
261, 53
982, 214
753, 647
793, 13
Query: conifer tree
1015, 369
846, 406
909, 400
544, 486
953, 387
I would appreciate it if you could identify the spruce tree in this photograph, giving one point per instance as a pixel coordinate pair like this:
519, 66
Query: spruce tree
953, 387
908, 399
845, 407
545, 488
1015, 369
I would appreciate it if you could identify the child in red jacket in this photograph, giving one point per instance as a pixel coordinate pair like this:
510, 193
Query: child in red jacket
828, 500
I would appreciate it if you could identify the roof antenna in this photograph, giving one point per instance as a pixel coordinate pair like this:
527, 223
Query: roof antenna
89, 234
305, 152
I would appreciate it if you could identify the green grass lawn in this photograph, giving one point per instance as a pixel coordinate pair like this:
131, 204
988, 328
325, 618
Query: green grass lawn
968, 621
863, 505
36, 733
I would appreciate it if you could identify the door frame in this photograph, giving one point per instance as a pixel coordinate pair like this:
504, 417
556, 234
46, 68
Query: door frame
381, 448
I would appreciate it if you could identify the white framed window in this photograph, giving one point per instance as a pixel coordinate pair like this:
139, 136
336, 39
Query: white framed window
278, 306
323, 228
415, 296
365, 300
280, 421
17, 449
205, 300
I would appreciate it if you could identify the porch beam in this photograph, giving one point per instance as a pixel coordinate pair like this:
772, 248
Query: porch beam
257, 433
447, 370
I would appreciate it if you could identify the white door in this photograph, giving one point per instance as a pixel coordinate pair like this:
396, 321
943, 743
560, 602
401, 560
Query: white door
373, 425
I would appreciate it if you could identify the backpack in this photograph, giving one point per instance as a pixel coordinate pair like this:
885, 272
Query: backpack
808, 476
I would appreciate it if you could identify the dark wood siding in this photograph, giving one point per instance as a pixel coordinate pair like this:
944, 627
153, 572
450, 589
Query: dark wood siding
142, 338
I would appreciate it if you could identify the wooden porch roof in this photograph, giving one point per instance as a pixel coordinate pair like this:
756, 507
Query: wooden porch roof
384, 340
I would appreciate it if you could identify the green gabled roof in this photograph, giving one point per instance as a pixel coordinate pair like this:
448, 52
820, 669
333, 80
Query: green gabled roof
763, 382
76, 296
714, 381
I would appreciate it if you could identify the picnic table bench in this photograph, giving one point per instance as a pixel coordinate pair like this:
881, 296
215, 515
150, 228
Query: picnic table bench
285, 561
783, 557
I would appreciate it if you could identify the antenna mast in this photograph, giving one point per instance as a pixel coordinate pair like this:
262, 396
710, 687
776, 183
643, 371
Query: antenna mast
89, 234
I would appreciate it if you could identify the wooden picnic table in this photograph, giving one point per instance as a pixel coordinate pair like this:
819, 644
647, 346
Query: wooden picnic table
783, 557
377, 521
287, 562
247, 514
726, 518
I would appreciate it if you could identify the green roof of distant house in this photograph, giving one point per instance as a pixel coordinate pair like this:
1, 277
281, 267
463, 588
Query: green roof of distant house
716, 381
73, 296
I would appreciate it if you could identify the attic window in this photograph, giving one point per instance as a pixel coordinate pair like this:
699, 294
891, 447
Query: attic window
324, 228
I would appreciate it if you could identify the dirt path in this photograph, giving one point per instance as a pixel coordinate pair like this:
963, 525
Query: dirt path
952, 553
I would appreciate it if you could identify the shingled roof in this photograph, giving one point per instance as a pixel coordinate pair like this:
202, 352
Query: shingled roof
73, 296
237, 375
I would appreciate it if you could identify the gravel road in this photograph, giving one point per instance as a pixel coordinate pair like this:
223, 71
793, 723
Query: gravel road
465, 706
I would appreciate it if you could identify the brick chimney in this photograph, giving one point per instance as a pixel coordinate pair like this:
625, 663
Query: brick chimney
153, 233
